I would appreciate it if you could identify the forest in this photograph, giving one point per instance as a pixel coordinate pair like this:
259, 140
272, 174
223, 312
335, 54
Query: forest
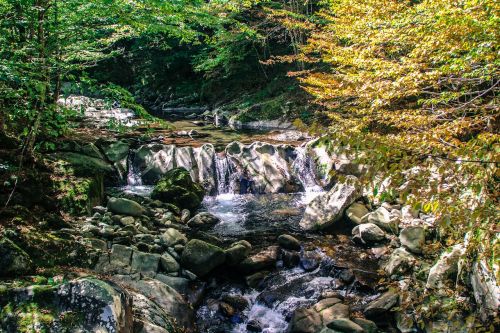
301, 166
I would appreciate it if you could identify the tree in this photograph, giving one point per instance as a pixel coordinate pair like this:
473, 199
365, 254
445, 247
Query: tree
415, 84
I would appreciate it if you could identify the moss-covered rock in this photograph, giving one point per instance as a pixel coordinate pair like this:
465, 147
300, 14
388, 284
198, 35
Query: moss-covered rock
178, 188
13, 260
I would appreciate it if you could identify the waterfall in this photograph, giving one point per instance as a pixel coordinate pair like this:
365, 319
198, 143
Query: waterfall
223, 173
303, 168
133, 176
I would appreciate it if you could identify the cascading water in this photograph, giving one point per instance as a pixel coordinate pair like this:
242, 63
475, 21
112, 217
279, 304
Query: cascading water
223, 172
303, 169
133, 176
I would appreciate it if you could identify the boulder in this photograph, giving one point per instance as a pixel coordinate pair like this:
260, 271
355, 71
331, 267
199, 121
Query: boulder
168, 263
413, 238
289, 242
152, 161
145, 263
445, 268
120, 258
311, 320
177, 188
382, 218
165, 297
326, 209
125, 207
172, 237
381, 305
13, 260
268, 165
399, 262
355, 212
84, 165
486, 290
265, 259
345, 325
236, 254
367, 325
367, 233
201, 257
203, 220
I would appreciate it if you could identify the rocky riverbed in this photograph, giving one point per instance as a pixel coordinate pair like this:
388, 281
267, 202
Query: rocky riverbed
165, 242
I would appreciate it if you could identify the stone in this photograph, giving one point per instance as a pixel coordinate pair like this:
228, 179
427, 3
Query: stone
158, 295
127, 220
125, 207
13, 260
265, 259
328, 208
310, 261
99, 209
152, 161
236, 254
185, 215
145, 263
267, 165
168, 263
201, 257
413, 238
178, 283
486, 290
255, 280
120, 258
177, 187
382, 218
203, 220
313, 319
172, 237
355, 212
399, 262
367, 325
144, 238
445, 268
381, 305
368, 233
345, 325
289, 242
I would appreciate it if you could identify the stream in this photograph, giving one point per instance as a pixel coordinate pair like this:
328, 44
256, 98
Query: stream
327, 265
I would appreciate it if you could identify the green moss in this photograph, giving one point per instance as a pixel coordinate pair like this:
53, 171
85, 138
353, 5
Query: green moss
71, 319
177, 188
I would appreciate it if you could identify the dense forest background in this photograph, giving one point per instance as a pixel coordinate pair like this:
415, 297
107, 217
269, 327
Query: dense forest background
408, 87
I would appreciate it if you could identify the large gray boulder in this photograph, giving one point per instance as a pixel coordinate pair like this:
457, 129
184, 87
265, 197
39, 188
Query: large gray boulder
265, 259
152, 161
383, 218
486, 290
368, 233
381, 305
413, 238
445, 267
311, 320
203, 220
328, 208
356, 212
268, 165
400, 261
125, 207
201, 257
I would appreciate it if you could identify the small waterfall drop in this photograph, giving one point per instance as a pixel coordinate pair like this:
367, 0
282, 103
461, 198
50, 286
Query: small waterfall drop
133, 176
303, 168
223, 172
